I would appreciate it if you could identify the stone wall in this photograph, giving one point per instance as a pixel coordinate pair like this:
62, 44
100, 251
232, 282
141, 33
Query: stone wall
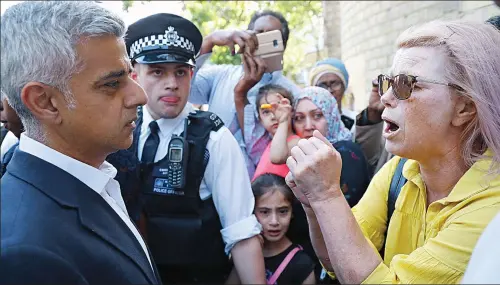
368, 31
331, 28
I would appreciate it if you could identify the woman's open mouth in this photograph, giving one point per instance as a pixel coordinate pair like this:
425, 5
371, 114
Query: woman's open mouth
390, 128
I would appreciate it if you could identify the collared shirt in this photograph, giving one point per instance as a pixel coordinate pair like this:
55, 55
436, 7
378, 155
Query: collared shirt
484, 265
9, 141
100, 180
214, 85
225, 180
427, 244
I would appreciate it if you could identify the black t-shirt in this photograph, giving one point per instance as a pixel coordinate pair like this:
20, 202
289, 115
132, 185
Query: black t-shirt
297, 270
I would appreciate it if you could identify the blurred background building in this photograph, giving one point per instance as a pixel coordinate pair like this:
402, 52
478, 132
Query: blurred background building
363, 33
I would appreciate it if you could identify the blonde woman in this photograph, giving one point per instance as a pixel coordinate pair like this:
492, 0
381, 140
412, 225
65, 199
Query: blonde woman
442, 113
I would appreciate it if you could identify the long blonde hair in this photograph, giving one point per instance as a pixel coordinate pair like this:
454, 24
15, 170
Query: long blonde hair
473, 51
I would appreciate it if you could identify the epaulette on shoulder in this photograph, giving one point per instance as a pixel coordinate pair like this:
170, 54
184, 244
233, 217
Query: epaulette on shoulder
206, 116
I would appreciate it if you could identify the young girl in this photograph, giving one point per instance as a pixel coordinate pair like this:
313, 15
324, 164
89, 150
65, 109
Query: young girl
275, 114
285, 262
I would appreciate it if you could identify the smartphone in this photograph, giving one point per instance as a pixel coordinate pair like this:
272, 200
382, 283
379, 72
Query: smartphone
271, 49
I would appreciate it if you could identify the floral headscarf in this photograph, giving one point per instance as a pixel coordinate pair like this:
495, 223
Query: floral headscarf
328, 105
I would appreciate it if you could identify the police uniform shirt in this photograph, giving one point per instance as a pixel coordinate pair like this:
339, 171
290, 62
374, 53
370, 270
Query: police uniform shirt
226, 179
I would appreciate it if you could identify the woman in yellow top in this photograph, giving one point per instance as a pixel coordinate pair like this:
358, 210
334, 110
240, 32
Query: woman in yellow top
442, 112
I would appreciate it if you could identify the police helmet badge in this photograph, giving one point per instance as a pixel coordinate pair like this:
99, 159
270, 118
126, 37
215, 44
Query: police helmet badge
171, 35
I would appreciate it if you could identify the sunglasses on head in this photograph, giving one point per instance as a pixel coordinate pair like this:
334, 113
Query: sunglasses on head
403, 84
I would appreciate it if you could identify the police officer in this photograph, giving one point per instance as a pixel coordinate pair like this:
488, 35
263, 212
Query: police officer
192, 215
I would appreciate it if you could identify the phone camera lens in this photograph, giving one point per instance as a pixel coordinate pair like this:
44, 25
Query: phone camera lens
275, 43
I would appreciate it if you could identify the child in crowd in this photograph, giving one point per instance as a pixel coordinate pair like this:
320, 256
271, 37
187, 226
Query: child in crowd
274, 105
285, 262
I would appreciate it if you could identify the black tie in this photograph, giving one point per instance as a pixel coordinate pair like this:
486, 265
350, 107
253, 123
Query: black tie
151, 145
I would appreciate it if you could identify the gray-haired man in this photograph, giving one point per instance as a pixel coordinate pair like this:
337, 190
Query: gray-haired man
65, 71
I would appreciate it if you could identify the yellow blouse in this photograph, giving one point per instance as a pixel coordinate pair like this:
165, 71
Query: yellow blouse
430, 245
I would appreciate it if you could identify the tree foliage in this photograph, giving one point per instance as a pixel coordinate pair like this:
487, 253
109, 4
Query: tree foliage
304, 19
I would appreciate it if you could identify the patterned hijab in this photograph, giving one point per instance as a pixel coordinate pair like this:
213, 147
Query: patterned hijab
328, 105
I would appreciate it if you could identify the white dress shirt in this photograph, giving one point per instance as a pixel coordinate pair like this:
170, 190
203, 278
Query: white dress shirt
226, 179
9, 141
484, 264
100, 180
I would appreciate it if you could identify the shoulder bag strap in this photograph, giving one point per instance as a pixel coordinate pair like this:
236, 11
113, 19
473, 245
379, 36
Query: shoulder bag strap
283, 265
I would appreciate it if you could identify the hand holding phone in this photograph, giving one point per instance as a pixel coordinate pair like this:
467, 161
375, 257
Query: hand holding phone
253, 69
271, 49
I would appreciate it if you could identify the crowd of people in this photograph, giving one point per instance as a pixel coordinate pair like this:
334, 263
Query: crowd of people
110, 174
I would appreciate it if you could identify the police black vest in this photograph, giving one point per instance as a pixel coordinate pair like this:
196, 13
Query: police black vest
180, 228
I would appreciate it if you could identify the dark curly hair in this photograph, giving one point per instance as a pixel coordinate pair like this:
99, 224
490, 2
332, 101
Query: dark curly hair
285, 31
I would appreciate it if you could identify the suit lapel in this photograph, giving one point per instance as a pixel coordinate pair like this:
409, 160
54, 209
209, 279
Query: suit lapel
94, 212
110, 227
153, 263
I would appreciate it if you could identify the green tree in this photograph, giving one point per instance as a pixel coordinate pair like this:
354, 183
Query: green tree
304, 18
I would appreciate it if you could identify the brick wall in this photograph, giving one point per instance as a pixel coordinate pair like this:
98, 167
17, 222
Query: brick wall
368, 31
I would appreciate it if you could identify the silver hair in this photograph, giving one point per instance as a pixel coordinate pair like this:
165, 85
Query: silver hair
39, 42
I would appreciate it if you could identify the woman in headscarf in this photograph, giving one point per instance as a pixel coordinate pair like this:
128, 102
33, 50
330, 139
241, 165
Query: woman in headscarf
316, 109
331, 74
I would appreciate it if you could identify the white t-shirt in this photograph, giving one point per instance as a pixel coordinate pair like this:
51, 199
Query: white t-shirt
484, 264
9, 140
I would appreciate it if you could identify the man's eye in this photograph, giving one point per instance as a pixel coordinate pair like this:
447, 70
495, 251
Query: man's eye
180, 72
157, 72
113, 84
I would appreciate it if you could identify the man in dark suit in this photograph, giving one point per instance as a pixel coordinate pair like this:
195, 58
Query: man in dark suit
65, 71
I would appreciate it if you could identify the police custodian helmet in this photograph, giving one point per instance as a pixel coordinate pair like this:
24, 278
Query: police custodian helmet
163, 38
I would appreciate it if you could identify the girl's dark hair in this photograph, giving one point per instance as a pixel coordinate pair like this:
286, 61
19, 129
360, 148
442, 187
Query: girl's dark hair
285, 31
270, 182
272, 88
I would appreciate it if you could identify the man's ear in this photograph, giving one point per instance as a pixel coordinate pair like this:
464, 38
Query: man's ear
133, 74
41, 100
465, 111
135, 71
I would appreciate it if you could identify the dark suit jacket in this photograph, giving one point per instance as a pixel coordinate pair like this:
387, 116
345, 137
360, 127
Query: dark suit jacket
56, 230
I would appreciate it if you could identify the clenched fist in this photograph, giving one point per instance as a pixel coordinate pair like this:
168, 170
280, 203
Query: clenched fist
315, 168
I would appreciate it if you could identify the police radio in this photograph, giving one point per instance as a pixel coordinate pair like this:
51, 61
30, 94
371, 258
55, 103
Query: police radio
178, 153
